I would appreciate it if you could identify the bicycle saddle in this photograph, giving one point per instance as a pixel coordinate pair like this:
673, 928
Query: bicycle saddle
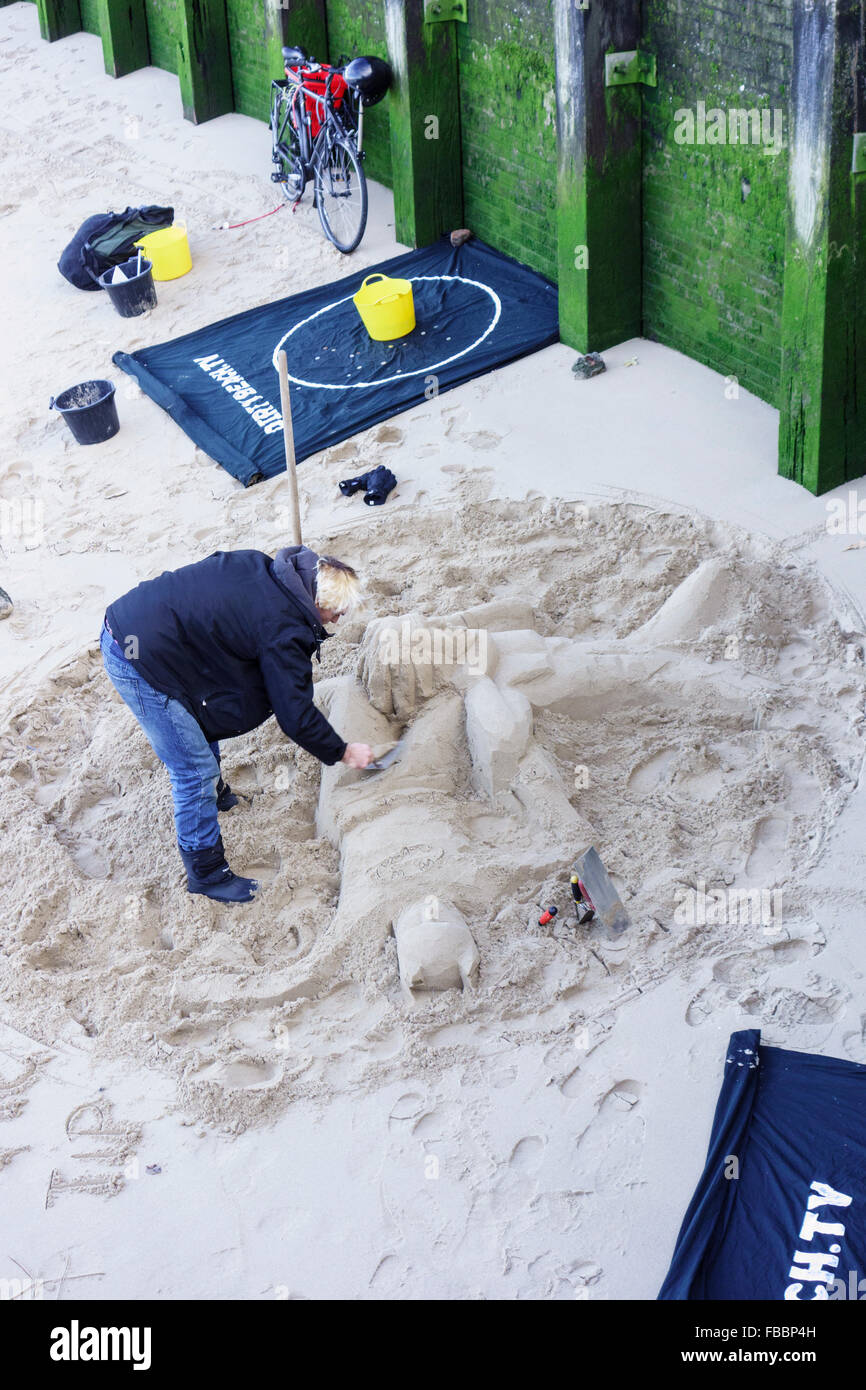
294, 57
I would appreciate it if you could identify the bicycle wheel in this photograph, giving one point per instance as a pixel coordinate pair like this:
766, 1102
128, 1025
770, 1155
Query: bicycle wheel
285, 152
341, 193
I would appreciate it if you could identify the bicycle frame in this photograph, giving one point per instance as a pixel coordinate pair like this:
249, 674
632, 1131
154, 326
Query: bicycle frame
292, 115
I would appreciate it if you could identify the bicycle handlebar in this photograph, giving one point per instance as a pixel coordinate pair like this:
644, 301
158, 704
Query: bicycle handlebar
319, 97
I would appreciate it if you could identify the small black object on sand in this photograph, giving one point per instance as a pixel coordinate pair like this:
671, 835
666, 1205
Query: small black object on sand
589, 365
6, 604
378, 483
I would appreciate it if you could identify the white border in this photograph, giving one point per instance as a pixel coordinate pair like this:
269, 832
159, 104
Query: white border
399, 376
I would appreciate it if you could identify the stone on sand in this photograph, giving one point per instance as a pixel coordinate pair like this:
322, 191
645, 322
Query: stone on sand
435, 947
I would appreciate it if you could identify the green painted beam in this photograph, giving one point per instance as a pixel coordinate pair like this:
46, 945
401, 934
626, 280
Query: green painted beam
58, 18
425, 124
305, 25
123, 26
204, 62
598, 176
822, 422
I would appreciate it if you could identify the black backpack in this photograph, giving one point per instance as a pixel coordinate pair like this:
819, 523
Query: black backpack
108, 239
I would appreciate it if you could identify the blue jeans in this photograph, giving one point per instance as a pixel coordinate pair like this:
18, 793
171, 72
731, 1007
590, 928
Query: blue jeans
178, 741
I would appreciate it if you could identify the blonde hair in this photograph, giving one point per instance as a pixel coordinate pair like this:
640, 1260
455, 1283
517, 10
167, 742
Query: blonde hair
338, 587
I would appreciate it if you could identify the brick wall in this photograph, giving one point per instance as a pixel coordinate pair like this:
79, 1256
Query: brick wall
162, 33
714, 214
507, 115
358, 27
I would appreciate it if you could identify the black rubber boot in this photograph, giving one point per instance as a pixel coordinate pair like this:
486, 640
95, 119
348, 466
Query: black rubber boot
349, 486
379, 483
207, 872
226, 798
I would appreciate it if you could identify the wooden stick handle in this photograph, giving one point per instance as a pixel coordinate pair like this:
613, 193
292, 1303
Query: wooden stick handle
289, 441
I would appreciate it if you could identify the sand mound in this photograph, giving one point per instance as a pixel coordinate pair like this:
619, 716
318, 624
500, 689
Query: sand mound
590, 686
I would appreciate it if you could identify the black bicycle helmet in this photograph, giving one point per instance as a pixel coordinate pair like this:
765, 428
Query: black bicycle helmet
371, 77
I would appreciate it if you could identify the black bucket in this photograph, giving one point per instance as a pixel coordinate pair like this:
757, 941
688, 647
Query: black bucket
89, 411
134, 295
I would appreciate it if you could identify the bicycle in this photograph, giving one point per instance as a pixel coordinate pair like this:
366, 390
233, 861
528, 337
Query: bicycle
317, 121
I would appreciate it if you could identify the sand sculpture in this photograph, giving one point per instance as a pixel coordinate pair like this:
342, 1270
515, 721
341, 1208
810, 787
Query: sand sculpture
693, 743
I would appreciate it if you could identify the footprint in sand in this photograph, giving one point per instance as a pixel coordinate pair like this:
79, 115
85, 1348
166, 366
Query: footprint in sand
748, 966
49, 958
769, 843
855, 1043
527, 1154
242, 1074
388, 434
265, 868
572, 1085
790, 1009
649, 774
610, 1148
409, 1106
389, 1277
482, 440
243, 779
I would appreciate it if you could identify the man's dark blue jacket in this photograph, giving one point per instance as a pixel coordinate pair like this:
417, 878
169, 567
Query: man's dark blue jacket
232, 638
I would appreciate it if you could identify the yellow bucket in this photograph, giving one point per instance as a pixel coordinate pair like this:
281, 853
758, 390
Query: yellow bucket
386, 307
168, 249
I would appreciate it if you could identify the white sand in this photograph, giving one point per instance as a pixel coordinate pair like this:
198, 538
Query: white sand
321, 1135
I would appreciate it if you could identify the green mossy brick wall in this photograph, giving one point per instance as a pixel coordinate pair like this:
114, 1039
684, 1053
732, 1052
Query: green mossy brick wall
508, 124
90, 16
162, 28
356, 27
251, 66
714, 215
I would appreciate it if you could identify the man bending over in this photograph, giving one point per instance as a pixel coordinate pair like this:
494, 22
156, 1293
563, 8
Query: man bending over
212, 650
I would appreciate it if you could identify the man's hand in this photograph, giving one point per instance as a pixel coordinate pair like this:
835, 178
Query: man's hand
357, 755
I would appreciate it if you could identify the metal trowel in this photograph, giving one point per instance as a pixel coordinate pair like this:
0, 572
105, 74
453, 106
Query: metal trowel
594, 878
386, 760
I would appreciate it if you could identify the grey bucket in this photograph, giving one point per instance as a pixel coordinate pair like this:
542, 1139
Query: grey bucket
89, 410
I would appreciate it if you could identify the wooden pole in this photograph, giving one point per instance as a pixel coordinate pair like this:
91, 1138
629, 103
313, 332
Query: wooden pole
289, 441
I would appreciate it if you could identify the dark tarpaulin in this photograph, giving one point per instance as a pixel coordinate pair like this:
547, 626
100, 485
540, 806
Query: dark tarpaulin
475, 310
784, 1219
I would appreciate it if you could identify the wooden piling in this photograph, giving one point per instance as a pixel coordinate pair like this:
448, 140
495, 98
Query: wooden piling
123, 26
58, 18
425, 124
204, 62
822, 425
